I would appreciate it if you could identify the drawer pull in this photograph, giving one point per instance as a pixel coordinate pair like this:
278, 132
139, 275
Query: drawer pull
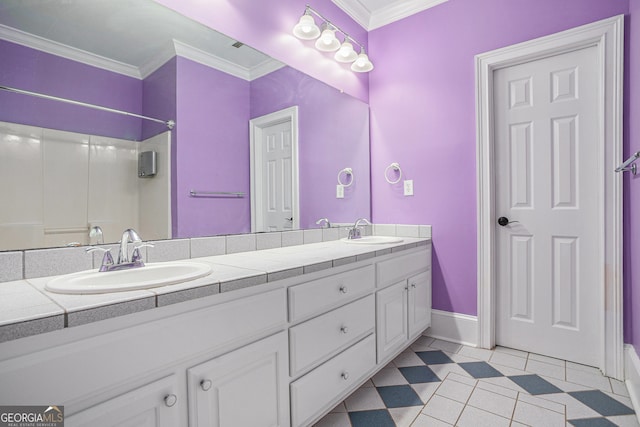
343, 289
345, 375
344, 329
205, 385
170, 400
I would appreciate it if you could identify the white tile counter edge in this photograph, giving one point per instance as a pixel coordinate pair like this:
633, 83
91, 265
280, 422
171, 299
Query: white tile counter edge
24, 318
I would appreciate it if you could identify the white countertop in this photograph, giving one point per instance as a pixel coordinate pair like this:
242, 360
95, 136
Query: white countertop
26, 308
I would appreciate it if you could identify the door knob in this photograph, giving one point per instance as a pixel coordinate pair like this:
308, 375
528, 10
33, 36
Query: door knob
290, 219
503, 220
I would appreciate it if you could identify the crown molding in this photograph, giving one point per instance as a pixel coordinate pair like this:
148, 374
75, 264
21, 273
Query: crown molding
386, 15
49, 46
355, 10
175, 48
266, 67
204, 58
396, 11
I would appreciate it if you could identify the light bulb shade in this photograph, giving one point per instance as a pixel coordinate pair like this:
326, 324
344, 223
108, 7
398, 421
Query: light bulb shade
306, 28
328, 42
346, 53
362, 64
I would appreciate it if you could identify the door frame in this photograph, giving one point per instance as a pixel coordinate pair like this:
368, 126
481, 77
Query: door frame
255, 137
608, 36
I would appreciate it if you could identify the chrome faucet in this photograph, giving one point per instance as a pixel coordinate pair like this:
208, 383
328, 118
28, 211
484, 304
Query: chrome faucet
128, 235
323, 221
96, 231
355, 233
123, 263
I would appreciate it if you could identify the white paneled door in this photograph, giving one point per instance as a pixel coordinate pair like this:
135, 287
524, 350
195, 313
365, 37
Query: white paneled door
549, 293
277, 177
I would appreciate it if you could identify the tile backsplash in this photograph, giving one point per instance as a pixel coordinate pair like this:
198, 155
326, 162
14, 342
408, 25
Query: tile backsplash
29, 264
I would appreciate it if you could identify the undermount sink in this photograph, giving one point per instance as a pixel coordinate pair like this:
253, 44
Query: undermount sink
150, 276
373, 240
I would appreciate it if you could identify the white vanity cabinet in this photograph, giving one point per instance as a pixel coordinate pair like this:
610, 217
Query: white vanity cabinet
280, 354
403, 309
246, 387
152, 405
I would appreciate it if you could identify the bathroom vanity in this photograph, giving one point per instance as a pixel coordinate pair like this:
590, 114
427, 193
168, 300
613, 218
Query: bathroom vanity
279, 353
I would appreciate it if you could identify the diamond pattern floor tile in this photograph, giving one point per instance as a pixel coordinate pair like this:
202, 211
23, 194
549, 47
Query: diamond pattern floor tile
398, 396
435, 357
601, 403
419, 374
591, 422
426, 386
480, 370
534, 384
379, 418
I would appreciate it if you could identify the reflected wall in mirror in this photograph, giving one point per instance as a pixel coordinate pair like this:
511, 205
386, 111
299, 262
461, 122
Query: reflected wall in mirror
141, 57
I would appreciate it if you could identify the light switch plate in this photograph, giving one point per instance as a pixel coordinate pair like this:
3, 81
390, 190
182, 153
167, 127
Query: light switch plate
408, 187
339, 191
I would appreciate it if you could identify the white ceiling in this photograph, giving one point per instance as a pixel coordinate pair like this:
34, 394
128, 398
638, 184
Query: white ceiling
127, 36
372, 14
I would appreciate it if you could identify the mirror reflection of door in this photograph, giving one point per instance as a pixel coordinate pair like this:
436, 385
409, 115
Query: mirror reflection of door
274, 172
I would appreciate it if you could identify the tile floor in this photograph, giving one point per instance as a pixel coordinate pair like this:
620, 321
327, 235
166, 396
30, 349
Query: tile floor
438, 383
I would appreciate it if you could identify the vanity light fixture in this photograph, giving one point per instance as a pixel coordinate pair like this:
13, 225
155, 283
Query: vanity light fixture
362, 64
306, 29
346, 53
328, 42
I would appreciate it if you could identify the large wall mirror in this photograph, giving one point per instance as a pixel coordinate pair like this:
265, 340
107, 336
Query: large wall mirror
257, 145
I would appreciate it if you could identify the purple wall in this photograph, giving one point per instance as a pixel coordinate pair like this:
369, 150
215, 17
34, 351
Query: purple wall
267, 25
29, 69
159, 99
212, 151
333, 134
423, 116
632, 184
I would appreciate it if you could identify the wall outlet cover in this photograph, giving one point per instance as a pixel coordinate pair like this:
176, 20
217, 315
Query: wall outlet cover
339, 191
408, 187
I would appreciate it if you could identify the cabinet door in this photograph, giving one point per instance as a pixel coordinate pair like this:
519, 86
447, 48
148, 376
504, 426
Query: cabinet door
153, 405
391, 323
419, 303
245, 388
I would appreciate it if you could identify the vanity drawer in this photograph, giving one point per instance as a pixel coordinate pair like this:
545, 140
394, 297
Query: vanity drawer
396, 269
319, 338
323, 294
327, 384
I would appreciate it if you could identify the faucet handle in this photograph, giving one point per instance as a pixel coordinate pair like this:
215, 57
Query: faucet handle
107, 259
136, 257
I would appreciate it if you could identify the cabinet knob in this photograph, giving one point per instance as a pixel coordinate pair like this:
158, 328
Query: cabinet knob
345, 375
170, 400
344, 329
413, 285
205, 385
343, 289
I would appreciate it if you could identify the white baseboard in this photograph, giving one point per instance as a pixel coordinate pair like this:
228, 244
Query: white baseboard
454, 327
632, 376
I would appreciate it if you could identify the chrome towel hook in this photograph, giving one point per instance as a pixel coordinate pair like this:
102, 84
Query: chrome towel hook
629, 165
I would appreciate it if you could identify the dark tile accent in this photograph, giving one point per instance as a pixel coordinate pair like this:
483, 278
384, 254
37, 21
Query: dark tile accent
419, 374
377, 418
399, 396
591, 422
480, 370
534, 385
434, 357
601, 403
